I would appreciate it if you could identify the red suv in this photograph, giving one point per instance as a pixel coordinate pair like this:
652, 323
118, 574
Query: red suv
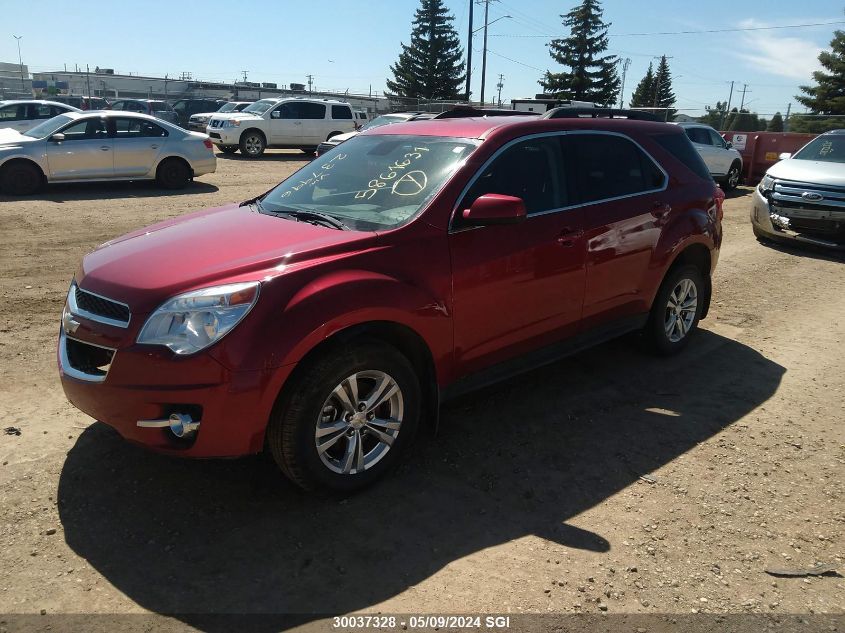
325, 319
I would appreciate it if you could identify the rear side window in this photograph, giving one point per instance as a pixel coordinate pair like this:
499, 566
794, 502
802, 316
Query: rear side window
531, 170
608, 166
39, 111
137, 128
159, 106
313, 110
341, 112
680, 147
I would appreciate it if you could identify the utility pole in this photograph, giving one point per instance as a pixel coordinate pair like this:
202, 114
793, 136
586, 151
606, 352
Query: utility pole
484, 51
728, 107
500, 85
165, 86
469, 50
310, 81
20, 62
625, 65
742, 102
786, 118
88, 80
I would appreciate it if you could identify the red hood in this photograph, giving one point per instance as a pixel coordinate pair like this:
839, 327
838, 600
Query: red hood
147, 266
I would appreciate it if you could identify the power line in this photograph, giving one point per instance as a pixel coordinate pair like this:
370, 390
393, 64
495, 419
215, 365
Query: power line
703, 31
515, 61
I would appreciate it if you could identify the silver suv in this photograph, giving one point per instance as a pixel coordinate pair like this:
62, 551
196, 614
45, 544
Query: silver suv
723, 161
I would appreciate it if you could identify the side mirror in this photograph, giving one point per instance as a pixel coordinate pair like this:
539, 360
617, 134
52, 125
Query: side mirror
57, 138
494, 208
275, 114
729, 145
784, 155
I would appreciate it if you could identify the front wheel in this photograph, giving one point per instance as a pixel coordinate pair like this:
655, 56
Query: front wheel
20, 178
252, 143
676, 310
347, 419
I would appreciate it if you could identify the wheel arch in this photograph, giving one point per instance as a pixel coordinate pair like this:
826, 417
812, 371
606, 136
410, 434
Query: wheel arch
11, 160
167, 157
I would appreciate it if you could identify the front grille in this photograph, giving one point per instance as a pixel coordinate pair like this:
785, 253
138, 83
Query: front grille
102, 307
809, 208
790, 194
88, 359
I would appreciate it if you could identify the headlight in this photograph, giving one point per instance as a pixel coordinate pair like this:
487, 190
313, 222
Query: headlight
231, 123
766, 185
194, 320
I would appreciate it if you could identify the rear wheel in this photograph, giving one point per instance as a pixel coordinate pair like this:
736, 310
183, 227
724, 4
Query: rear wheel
347, 419
228, 149
20, 178
252, 143
676, 310
173, 173
732, 178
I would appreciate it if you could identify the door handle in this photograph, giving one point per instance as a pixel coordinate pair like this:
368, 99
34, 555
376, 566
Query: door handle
153, 146
660, 210
297, 122
105, 148
568, 236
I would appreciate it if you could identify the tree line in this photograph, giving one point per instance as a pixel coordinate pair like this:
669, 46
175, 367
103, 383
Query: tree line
431, 67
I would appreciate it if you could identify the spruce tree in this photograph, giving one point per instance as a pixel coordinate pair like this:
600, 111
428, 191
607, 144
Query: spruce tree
431, 66
664, 97
644, 92
589, 76
828, 95
776, 124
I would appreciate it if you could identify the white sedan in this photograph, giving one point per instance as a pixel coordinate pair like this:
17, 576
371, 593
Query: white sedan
26, 113
106, 145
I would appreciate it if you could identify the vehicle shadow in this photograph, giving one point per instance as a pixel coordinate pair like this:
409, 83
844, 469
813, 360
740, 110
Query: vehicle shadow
100, 190
803, 249
233, 537
739, 192
269, 156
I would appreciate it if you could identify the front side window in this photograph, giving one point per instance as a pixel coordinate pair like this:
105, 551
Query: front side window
829, 148
14, 112
118, 105
372, 182
137, 128
609, 166
716, 139
134, 106
85, 130
341, 112
531, 170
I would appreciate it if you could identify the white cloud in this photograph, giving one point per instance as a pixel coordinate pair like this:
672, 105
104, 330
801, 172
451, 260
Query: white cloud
777, 53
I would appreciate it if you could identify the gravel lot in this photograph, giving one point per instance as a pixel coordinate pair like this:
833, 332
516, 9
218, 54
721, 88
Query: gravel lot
610, 482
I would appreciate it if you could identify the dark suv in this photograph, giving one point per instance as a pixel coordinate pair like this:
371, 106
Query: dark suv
326, 318
184, 108
158, 109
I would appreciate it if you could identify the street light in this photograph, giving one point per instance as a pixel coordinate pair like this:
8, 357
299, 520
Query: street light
493, 22
20, 61
484, 51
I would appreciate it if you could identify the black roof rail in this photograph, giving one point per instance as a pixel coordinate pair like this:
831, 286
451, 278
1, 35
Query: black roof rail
567, 112
462, 111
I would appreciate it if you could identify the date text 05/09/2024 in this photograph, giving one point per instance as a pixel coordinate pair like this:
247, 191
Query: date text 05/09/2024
408, 622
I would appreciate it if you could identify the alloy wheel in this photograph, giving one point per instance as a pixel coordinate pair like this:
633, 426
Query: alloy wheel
252, 144
359, 422
733, 177
680, 310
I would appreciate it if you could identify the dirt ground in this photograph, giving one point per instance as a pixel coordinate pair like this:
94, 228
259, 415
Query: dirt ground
611, 482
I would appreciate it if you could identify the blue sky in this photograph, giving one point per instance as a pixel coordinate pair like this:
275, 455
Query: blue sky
351, 44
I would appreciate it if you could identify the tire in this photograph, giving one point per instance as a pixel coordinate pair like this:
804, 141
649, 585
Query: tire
228, 149
173, 173
660, 338
731, 180
21, 178
314, 403
252, 144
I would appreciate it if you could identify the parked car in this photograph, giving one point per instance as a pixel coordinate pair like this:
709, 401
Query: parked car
83, 103
384, 119
361, 117
24, 114
184, 108
802, 197
102, 145
159, 109
289, 123
327, 318
198, 122
723, 161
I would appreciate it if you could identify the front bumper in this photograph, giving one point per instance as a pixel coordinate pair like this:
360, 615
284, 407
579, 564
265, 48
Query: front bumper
821, 228
224, 136
145, 382
195, 126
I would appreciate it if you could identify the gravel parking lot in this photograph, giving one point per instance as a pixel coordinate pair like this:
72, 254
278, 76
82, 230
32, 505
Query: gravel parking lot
610, 482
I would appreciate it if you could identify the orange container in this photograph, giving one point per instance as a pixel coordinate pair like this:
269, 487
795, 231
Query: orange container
760, 150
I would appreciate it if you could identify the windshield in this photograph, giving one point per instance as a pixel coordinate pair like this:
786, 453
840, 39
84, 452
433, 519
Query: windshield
385, 119
228, 107
828, 148
260, 107
48, 127
374, 182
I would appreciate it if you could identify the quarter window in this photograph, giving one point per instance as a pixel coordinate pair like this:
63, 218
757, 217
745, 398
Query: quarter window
341, 112
531, 170
608, 166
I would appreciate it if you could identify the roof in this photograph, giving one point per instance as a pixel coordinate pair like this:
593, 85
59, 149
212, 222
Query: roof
314, 99
483, 127
39, 101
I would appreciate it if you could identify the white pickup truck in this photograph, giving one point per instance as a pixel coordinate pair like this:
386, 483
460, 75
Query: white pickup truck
287, 123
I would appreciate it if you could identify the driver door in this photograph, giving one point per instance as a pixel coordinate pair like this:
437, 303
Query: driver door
85, 152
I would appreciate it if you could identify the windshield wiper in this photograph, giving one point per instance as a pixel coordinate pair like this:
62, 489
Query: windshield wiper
313, 216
